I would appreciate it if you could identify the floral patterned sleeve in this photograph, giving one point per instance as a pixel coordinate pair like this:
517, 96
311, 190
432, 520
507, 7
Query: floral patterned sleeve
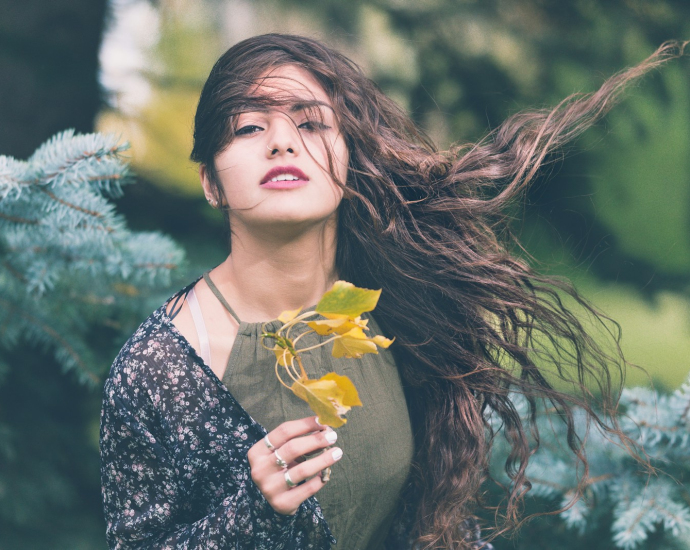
173, 458
144, 504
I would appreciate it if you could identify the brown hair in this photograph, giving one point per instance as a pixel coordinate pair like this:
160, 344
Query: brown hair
430, 228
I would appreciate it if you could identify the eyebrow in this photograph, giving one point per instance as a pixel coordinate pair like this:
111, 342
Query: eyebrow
294, 108
302, 105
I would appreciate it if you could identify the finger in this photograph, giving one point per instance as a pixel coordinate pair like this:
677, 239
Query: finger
281, 434
313, 466
300, 446
275, 485
288, 502
291, 429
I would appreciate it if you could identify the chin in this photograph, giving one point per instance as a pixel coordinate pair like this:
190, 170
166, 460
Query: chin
295, 220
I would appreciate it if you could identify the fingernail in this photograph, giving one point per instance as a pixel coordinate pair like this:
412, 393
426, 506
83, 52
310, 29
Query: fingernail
337, 454
331, 437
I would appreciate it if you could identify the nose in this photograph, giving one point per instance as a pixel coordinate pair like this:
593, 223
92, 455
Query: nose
283, 137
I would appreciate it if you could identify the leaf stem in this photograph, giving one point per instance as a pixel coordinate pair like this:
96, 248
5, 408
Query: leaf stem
291, 369
299, 319
322, 343
310, 331
301, 367
278, 376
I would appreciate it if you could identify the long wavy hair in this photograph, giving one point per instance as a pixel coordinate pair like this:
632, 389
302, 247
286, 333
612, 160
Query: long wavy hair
431, 228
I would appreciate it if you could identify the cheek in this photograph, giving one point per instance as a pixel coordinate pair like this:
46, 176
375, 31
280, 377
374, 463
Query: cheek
231, 168
342, 158
339, 153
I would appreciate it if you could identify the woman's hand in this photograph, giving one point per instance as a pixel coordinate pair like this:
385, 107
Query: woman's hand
290, 442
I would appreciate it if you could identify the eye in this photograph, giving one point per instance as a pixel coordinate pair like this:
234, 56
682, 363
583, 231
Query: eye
314, 126
247, 130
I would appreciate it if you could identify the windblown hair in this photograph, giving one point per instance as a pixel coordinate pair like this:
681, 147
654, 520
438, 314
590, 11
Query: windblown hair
472, 320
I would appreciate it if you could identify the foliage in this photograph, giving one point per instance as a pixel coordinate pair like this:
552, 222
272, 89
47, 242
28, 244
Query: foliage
174, 71
74, 281
49, 60
332, 395
66, 257
621, 499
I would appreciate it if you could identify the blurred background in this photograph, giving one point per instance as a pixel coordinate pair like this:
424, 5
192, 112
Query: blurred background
613, 216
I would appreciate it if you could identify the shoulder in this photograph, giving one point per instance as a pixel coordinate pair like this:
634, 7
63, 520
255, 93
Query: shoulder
151, 357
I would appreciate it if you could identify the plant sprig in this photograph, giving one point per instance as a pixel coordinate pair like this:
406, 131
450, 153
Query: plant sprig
332, 395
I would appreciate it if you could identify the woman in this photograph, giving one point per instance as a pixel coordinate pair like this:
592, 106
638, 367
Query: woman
321, 177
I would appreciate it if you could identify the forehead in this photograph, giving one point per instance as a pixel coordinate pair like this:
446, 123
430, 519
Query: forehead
290, 83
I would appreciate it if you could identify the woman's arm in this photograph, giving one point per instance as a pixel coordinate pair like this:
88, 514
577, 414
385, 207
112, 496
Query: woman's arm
143, 500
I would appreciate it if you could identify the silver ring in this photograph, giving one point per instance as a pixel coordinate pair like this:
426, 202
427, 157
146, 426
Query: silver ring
268, 443
279, 461
289, 481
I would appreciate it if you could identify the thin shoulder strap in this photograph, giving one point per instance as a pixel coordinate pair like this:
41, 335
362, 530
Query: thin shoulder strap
218, 295
178, 301
200, 326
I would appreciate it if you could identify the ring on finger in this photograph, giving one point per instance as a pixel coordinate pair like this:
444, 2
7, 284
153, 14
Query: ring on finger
279, 460
268, 443
288, 481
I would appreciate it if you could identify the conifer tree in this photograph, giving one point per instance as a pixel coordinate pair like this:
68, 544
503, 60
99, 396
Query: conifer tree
621, 498
67, 259
74, 283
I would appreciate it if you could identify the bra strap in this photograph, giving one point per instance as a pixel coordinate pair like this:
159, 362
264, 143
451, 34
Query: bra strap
218, 295
200, 326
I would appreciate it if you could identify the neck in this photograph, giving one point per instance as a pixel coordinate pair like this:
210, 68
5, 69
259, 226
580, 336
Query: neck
267, 274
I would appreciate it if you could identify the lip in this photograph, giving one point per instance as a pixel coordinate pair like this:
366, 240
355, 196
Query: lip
286, 184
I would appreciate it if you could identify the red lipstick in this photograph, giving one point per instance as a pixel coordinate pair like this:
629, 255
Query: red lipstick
301, 180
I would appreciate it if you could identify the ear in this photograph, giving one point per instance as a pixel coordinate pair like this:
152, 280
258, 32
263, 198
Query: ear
208, 188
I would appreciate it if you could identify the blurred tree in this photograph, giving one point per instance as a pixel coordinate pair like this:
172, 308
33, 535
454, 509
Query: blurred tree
49, 67
623, 506
49, 486
74, 282
622, 206
175, 67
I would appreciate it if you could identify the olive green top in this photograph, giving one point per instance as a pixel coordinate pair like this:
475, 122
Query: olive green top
360, 500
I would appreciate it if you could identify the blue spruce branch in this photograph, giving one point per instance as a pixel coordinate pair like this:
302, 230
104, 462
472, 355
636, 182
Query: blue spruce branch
641, 503
68, 262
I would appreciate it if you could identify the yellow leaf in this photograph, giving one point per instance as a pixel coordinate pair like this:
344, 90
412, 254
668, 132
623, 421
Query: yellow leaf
360, 322
284, 356
346, 300
351, 348
354, 344
356, 332
337, 326
330, 397
289, 315
328, 326
382, 341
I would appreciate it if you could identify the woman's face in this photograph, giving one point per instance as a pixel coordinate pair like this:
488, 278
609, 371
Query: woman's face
274, 174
